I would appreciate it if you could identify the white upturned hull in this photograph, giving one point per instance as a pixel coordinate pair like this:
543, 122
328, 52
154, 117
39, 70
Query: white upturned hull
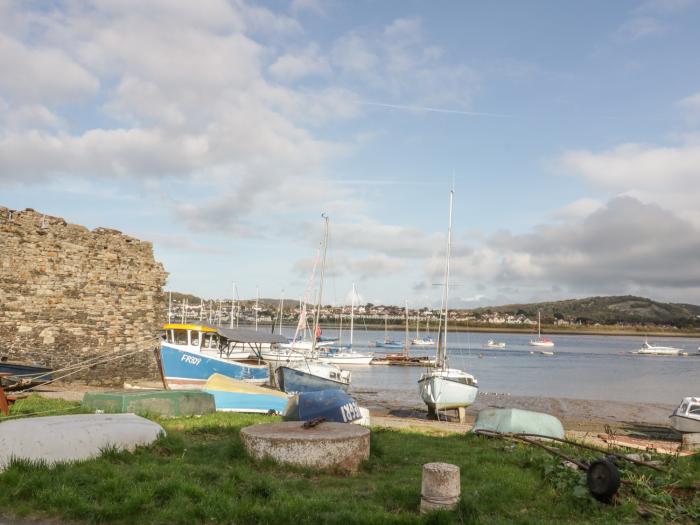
685, 424
445, 389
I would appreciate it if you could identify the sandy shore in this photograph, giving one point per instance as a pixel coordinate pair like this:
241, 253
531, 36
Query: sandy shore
575, 414
583, 415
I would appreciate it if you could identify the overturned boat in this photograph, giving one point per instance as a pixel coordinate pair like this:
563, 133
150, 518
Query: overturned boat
331, 405
231, 395
517, 421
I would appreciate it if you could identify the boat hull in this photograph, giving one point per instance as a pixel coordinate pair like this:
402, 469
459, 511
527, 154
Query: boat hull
231, 395
183, 370
389, 344
442, 393
295, 381
547, 344
332, 405
346, 358
685, 424
514, 420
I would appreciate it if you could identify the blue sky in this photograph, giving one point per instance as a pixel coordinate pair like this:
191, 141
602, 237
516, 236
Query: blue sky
220, 130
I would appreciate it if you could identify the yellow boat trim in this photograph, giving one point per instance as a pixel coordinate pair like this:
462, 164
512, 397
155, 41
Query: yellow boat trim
189, 327
226, 384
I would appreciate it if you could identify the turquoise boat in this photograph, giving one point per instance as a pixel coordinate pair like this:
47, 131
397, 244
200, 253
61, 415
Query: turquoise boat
516, 421
231, 395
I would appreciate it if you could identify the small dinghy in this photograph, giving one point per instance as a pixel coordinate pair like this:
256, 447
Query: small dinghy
231, 395
58, 439
332, 405
516, 421
686, 418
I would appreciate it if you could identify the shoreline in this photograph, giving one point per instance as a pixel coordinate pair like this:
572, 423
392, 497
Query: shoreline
576, 415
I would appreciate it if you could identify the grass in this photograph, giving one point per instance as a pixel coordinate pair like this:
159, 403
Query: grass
200, 473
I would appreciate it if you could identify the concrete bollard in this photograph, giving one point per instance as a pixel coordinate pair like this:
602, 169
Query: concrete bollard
440, 487
691, 442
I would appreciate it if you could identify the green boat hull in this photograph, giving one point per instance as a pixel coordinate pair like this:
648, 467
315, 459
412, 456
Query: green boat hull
516, 421
159, 402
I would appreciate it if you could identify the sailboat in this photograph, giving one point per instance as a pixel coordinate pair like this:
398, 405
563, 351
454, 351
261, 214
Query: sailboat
309, 376
426, 340
386, 342
541, 341
444, 388
345, 355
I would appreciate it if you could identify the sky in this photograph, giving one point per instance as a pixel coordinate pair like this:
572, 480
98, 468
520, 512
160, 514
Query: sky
221, 130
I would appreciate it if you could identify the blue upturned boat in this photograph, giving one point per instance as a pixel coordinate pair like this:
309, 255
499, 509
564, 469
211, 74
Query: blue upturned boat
185, 365
23, 374
332, 405
311, 377
231, 395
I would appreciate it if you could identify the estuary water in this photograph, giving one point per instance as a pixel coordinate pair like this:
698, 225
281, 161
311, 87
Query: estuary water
582, 367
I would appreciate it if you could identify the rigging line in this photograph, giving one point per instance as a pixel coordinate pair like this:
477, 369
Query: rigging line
436, 110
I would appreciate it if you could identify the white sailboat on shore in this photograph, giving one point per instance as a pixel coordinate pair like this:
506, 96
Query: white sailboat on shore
443, 387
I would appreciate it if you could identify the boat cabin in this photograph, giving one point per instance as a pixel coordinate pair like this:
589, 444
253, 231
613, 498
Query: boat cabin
191, 337
689, 407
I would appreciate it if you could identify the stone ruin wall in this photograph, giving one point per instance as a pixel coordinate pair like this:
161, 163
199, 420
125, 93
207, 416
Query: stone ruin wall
68, 294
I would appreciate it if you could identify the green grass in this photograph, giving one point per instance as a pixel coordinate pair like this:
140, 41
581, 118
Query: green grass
200, 473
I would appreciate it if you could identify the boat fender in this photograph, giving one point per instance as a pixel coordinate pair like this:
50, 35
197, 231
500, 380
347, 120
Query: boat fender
603, 480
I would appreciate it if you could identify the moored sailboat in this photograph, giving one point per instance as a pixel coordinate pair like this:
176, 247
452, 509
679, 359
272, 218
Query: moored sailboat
541, 341
443, 387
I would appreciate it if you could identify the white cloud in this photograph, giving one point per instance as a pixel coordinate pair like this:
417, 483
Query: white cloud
691, 105
625, 246
307, 62
40, 74
577, 210
639, 27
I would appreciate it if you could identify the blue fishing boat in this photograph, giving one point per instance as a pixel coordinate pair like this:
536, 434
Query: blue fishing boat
185, 365
332, 405
311, 377
231, 395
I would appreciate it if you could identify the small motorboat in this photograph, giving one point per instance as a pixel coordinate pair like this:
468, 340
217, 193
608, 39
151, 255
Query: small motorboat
649, 349
686, 418
546, 352
332, 405
231, 395
494, 344
423, 341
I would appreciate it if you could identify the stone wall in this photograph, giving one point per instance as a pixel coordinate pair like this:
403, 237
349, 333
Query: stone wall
68, 294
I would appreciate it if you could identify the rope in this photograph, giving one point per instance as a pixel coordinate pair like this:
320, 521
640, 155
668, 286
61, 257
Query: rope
85, 365
55, 410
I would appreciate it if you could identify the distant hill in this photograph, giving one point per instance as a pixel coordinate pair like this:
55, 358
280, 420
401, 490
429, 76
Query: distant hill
626, 309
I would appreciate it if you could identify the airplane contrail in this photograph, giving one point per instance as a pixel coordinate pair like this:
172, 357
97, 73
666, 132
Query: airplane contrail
436, 110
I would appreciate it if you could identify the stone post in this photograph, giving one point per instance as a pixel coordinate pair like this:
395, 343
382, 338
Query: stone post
440, 487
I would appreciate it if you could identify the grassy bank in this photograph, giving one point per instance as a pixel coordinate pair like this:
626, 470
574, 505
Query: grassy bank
200, 473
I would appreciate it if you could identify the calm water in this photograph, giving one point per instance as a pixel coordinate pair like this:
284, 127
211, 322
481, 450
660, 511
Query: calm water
583, 367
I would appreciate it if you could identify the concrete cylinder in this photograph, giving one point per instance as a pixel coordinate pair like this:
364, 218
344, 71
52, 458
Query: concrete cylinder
440, 487
691, 442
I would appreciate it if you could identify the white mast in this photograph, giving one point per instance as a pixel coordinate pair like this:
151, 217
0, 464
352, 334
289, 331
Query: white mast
170, 305
405, 341
281, 310
257, 300
233, 302
317, 317
352, 313
442, 351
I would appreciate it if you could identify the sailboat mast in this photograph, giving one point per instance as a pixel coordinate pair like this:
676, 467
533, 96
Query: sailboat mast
317, 317
539, 335
257, 300
281, 310
405, 343
443, 350
352, 313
